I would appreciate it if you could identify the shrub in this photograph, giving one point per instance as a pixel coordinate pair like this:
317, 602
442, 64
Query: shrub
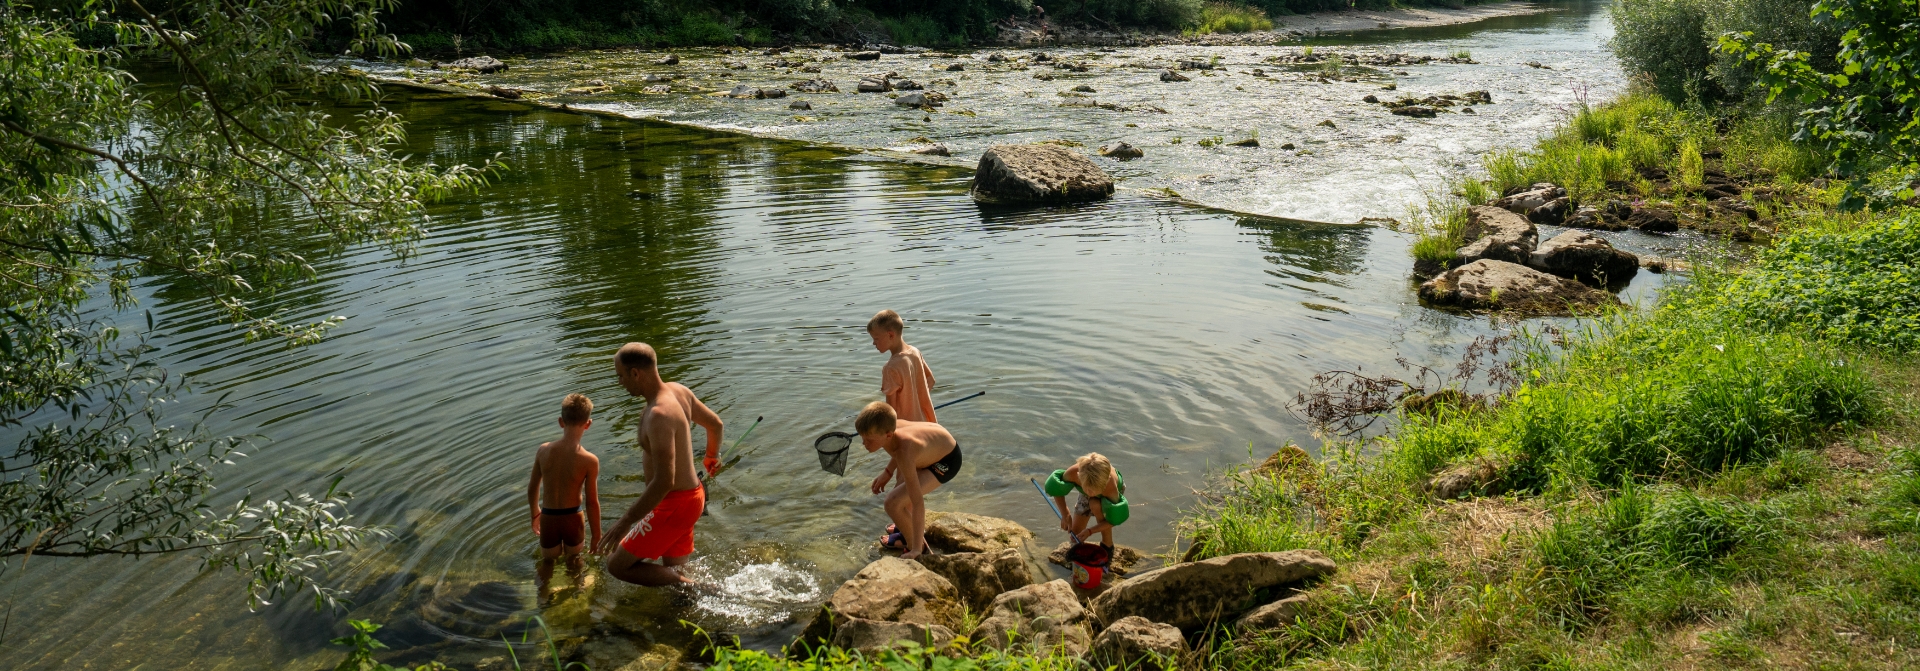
1667, 41
919, 29
1689, 170
1858, 285
1222, 17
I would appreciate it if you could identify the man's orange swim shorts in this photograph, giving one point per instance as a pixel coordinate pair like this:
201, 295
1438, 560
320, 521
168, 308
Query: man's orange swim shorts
668, 530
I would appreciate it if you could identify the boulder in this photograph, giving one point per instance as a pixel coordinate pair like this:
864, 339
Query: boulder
744, 91
1122, 151
1291, 462
1083, 88
980, 576
1416, 111
1552, 213
864, 56
801, 105
1489, 284
956, 67
870, 637
1594, 218
485, 65
652, 78
670, 59
500, 92
1494, 233
896, 590
1525, 200
873, 85
1047, 616
1479, 98
904, 85
966, 532
1277, 615
1653, 220
1193, 594
1171, 76
1135, 642
1038, 173
915, 99
814, 86
1585, 257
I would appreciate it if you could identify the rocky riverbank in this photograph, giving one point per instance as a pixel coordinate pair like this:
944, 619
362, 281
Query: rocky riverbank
1287, 29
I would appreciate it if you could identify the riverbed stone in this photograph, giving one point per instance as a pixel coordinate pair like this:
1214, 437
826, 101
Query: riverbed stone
1494, 233
1503, 286
873, 85
1524, 201
1171, 76
1653, 220
871, 637
1046, 616
967, 532
1192, 594
485, 65
1277, 615
896, 590
980, 576
1594, 218
1121, 151
1416, 111
1038, 173
800, 105
1585, 257
669, 59
915, 99
864, 56
1136, 642
814, 86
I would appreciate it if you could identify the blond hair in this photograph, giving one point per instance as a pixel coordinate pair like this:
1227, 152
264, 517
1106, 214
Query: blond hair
876, 417
576, 409
1095, 472
887, 319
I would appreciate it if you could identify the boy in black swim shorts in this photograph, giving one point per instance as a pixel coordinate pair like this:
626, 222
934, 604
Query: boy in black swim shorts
561, 469
922, 456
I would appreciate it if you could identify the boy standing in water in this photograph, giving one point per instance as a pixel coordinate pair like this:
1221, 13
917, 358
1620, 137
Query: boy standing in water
561, 468
924, 455
660, 524
905, 381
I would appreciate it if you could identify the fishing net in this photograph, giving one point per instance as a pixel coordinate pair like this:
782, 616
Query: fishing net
832, 449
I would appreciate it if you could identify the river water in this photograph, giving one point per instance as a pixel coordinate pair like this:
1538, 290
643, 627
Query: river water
1165, 335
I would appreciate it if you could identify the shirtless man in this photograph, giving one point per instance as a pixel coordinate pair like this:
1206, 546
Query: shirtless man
660, 524
923, 454
560, 470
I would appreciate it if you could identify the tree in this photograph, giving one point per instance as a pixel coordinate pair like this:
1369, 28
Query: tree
1866, 114
223, 181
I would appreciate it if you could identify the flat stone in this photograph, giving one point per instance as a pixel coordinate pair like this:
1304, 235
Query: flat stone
1038, 173
1192, 594
1502, 286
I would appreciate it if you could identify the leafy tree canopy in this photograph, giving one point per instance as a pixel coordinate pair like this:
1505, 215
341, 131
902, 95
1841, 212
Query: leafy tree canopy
218, 179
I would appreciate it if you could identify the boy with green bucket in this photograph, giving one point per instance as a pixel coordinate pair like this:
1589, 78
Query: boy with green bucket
1096, 480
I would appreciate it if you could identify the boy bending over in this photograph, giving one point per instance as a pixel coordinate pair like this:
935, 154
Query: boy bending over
1098, 483
561, 468
923, 455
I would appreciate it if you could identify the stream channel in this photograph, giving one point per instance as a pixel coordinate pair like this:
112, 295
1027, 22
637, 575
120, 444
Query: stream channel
1165, 335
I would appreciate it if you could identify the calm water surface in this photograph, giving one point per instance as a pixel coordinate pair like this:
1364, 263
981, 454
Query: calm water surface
1166, 336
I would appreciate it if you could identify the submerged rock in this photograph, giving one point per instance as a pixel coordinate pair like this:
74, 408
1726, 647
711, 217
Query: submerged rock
1122, 151
1171, 76
500, 92
1194, 594
1489, 284
873, 85
864, 56
801, 105
485, 65
1037, 173
1585, 257
915, 99
1136, 642
1416, 111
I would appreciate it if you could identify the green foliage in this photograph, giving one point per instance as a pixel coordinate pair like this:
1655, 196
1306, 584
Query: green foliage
1864, 109
921, 30
1643, 535
1224, 17
1689, 170
1859, 285
231, 188
1667, 41
909, 658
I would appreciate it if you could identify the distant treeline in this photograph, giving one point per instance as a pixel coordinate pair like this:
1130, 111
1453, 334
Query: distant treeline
447, 26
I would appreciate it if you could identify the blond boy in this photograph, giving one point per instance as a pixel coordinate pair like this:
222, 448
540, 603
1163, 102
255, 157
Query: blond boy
561, 469
923, 455
905, 381
1102, 504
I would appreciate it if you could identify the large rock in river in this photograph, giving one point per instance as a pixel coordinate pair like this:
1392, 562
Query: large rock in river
482, 64
1047, 616
1038, 173
1585, 257
1495, 233
966, 532
1138, 643
1510, 287
1193, 594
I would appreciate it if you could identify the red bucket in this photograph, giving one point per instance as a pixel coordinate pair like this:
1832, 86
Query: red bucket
1089, 565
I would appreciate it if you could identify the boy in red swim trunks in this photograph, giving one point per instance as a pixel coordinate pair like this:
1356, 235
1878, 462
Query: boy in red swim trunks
660, 524
562, 468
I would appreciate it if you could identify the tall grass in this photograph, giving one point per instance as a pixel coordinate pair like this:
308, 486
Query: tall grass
1226, 17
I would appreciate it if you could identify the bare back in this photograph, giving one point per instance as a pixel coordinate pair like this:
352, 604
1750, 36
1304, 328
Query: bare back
923, 443
669, 422
563, 469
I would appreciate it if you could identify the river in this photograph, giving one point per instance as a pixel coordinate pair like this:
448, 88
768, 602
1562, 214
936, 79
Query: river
1168, 336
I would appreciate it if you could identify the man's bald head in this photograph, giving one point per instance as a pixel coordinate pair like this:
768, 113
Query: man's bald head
636, 356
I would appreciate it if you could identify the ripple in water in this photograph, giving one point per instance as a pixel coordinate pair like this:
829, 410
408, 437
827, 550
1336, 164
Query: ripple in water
756, 594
